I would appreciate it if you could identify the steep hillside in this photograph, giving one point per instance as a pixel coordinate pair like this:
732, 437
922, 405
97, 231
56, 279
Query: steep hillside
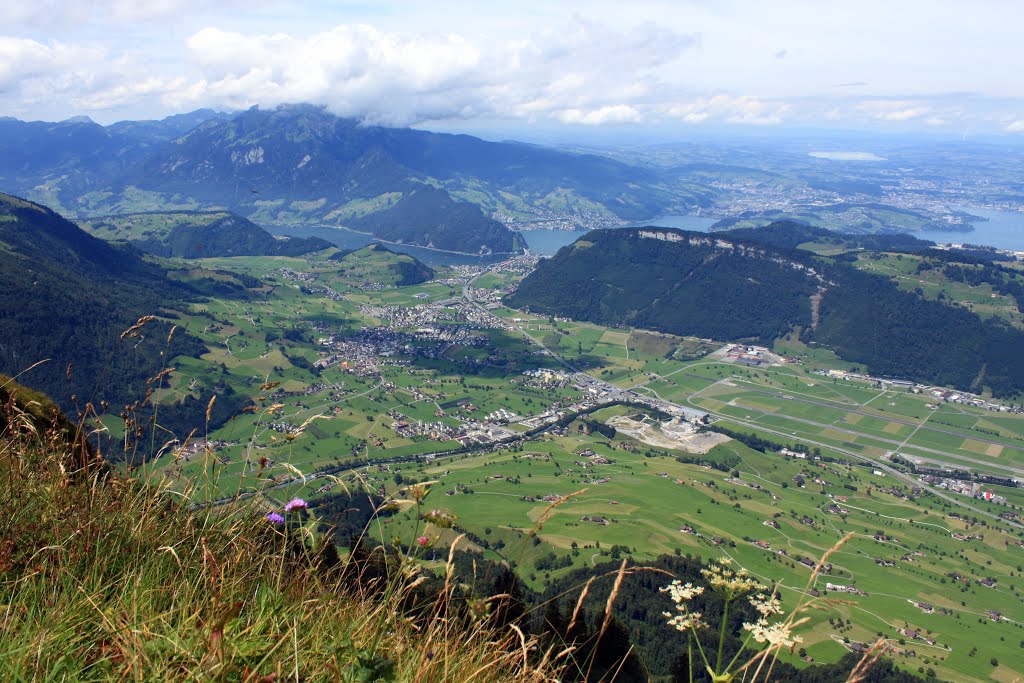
868, 319
713, 286
303, 152
428, 216
67, 164
67, 298
199, 235
167, 128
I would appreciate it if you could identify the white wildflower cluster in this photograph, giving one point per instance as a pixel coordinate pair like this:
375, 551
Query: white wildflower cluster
777, 635
771, 627
728, 583
766, 605
681, 594
688, 621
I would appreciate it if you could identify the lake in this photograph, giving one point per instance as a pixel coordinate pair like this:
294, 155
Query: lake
543, 242
1002, 230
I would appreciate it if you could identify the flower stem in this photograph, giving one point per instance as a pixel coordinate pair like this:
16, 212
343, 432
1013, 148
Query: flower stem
721, 637
740, 651
689, 655
700, 650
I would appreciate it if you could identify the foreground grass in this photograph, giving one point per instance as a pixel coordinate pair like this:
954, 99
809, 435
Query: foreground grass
103, 578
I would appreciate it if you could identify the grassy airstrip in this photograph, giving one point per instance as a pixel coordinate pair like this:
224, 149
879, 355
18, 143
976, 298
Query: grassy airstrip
647, 496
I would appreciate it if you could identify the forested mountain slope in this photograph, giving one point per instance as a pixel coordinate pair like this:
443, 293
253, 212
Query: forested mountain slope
673, 281
430, 217
719, 287
67, 299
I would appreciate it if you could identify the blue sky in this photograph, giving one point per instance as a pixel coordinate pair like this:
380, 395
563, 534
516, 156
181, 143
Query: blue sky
685, 66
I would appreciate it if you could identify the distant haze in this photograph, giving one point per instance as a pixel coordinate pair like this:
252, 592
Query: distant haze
847, 156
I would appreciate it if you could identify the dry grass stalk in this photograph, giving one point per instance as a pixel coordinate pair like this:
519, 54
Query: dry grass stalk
209, 408
579, 603
608, 615
611, 598
133, 331
550, 509
871, 655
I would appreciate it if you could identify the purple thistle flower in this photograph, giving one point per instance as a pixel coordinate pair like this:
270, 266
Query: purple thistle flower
295, 504
275, 518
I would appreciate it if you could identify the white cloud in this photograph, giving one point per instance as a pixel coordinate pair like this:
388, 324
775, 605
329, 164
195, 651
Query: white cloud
577, 62
62, 14
619, 113
23, 59
357, 70
894, 110
744, 109
124, 94
903, 114
1016, 127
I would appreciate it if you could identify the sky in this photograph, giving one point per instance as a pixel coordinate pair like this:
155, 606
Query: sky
681, 67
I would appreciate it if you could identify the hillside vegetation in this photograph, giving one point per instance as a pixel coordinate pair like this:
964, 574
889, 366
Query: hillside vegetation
687, 287
105, 578
375, 264
430, 217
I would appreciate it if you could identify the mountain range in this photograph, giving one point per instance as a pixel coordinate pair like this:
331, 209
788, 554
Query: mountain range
302, 165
